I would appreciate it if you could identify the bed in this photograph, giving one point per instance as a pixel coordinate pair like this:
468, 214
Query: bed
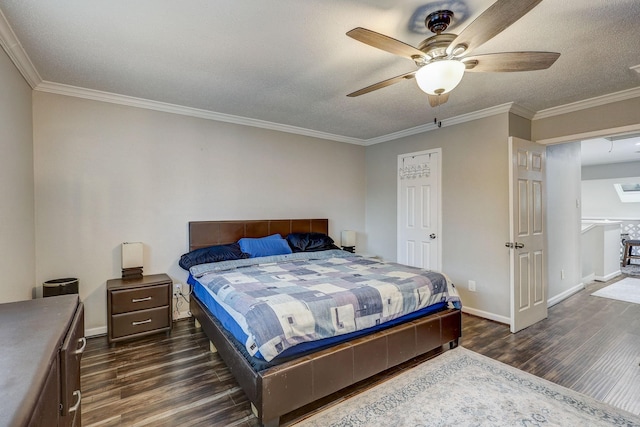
286, 383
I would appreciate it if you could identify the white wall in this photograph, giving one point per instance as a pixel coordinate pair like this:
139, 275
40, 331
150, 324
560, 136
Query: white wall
106, 173
475, 196
611, 170
563, 219
600, 199
17, 241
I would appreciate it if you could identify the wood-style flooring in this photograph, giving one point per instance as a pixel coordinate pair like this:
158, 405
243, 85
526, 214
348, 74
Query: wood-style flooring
588, 344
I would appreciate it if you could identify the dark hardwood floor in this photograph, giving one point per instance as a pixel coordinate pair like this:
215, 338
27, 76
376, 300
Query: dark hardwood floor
588, 344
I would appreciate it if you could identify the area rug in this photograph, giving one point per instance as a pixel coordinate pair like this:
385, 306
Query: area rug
463, 388
631, 269
627, 289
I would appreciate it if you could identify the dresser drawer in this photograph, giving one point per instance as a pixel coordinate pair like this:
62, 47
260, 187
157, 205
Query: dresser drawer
128, 300
140, 321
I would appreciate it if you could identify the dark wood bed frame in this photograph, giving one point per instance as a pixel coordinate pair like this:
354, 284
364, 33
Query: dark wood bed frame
276, 391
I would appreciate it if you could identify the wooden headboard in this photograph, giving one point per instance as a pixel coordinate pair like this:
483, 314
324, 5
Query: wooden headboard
209, 233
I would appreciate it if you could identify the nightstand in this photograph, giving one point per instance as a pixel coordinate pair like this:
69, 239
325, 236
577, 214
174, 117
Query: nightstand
138, 307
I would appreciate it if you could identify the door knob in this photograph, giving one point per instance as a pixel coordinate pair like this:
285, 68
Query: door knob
514, 245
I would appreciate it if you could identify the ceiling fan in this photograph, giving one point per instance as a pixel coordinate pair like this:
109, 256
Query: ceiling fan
442, 59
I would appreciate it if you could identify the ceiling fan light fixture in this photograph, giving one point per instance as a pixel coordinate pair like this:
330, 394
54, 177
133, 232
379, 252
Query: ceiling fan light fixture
439, 77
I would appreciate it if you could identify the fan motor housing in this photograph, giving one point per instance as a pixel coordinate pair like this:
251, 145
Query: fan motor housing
436, 46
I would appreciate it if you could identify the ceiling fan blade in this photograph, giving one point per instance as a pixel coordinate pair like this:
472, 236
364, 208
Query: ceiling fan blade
382, 84
436, 100
491, 22
385, 43
510, 61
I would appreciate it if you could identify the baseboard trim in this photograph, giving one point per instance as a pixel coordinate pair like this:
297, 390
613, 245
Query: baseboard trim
564, 295
590, 278
94, 332
608, 276
486, 315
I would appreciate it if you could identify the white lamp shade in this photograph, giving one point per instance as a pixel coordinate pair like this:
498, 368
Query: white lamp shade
132, 255
440, 77
348, 238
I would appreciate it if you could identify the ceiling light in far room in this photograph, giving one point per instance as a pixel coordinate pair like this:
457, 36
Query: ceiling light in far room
440, 76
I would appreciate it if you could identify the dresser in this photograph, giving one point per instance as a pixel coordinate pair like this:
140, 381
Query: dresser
42, 344
138, 306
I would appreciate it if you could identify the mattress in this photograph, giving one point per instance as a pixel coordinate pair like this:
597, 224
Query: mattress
314, 300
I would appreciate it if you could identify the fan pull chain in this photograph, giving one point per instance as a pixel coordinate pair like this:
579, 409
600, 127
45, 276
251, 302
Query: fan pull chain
435, 119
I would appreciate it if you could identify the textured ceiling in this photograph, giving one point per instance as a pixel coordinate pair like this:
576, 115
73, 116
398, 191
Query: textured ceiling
289, 62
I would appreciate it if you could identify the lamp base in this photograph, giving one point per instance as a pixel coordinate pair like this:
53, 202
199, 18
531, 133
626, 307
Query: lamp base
132, 273
351, 249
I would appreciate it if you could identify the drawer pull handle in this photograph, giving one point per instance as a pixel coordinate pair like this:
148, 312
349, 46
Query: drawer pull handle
141, 299
83, 342
75, 407
142, 322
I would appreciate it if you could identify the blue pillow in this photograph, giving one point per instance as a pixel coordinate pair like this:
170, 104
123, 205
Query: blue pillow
264, 246
211, 254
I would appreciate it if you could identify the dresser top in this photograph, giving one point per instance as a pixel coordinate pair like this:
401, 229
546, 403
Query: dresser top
152, 279
31, 332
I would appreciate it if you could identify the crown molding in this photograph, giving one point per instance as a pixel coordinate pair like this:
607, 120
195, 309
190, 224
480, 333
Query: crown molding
509, 107
96, 95
588, 103
523, 112
12, 46
113, 98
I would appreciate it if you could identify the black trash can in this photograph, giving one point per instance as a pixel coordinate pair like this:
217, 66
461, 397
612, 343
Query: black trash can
54, 287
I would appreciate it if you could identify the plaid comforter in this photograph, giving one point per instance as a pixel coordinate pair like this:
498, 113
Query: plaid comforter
288, 299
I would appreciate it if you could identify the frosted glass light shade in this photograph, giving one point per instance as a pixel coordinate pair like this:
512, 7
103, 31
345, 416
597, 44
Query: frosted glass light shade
440, 77
348, 238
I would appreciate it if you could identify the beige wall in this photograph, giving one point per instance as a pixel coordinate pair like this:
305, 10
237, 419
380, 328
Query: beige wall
17, 241
106, 173
475, 197
616, 115
601, 201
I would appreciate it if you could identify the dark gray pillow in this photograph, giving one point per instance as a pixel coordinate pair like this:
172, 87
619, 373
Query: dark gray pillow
310, 242
212, 254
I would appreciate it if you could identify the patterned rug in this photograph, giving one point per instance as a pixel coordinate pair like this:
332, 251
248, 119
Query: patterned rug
632, 269
627, 289
463, 388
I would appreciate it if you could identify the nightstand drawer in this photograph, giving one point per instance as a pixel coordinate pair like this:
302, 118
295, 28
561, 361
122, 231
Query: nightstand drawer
128, 300
140, 321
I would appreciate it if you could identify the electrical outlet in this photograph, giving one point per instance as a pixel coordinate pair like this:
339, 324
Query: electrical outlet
177, 288
472, 285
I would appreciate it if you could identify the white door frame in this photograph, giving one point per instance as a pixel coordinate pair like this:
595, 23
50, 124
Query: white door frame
437, 151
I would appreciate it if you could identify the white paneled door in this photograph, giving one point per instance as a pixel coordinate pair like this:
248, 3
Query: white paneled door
419, 209
527, 233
